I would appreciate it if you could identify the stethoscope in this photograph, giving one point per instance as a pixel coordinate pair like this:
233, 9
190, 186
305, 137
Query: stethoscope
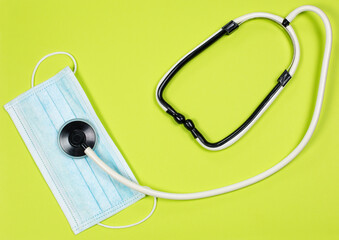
78, 138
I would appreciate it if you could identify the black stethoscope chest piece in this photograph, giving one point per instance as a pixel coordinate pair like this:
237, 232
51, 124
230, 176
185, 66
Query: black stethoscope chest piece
75, 136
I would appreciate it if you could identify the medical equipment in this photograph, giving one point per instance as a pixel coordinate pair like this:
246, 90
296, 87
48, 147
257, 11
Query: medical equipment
78, 135
286, 24
75, 133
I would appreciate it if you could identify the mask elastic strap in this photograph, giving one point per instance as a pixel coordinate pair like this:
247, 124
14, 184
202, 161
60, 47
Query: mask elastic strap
48, 55
134, 224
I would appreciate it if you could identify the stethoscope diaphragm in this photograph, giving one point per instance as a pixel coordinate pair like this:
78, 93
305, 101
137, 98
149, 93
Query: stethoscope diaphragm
75, 136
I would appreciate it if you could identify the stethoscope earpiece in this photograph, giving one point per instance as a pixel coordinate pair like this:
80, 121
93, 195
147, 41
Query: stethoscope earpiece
75, 136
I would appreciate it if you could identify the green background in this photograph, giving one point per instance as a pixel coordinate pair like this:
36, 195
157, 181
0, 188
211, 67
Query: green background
123, 48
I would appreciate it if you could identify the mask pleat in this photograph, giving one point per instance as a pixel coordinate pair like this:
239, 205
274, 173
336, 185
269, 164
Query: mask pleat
70, 92
67, 113
65, 168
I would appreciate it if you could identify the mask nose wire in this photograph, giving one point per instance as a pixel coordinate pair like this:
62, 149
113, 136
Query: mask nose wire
49, 55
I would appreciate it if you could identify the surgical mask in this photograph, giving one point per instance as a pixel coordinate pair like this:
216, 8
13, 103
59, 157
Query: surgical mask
85, 193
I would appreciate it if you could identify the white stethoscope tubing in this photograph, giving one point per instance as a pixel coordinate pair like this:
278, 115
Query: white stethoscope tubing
204, 194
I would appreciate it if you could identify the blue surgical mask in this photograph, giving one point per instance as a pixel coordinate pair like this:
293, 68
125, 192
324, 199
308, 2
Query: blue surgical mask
85, 193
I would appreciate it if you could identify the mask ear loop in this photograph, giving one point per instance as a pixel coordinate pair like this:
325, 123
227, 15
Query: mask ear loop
48, 55
134, 224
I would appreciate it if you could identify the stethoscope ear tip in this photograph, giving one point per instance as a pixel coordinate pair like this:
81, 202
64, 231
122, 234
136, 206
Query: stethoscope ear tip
75, 136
